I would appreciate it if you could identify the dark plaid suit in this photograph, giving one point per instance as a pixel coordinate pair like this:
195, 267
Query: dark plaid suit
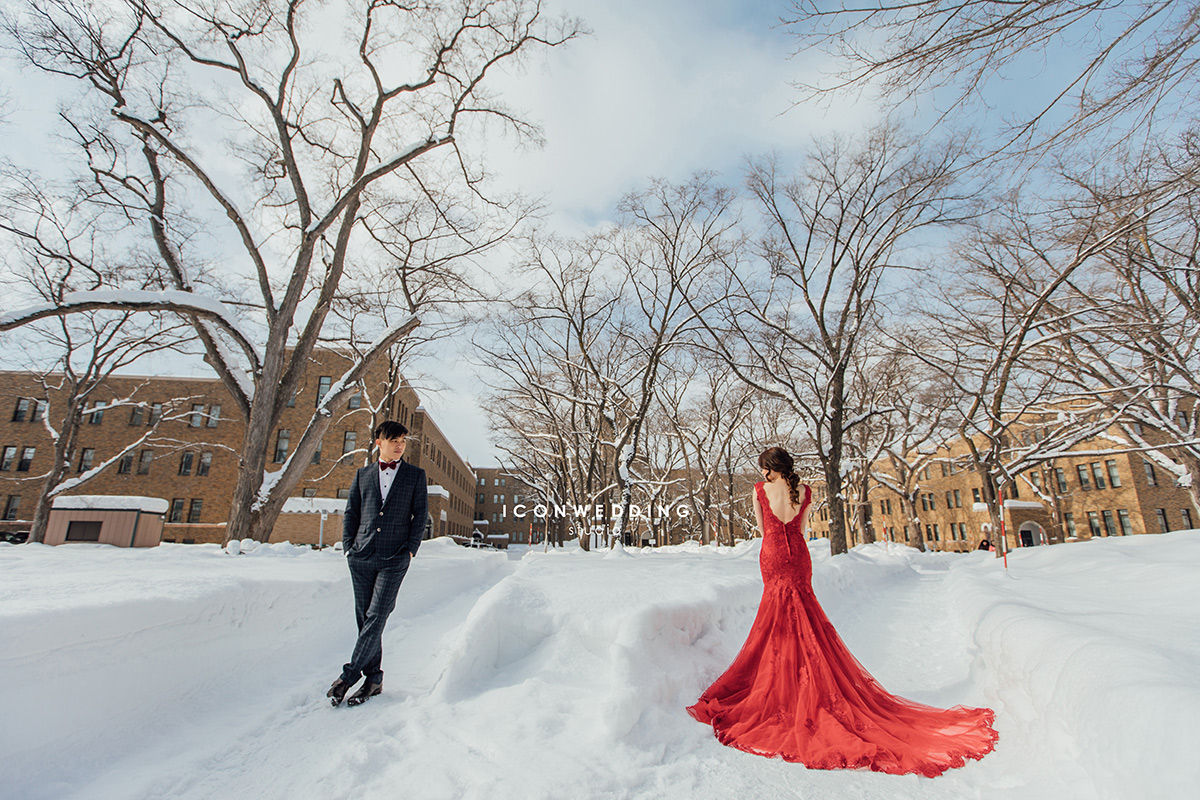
380, 538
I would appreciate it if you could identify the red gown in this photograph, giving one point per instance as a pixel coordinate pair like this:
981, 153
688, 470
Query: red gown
796, 692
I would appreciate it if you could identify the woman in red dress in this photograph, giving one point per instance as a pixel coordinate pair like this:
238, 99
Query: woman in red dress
796, 692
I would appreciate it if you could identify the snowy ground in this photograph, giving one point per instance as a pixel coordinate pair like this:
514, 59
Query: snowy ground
184, 672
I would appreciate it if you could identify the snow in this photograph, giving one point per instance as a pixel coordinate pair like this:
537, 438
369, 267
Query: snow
180, 672
1027, 504
313, 505
153, 505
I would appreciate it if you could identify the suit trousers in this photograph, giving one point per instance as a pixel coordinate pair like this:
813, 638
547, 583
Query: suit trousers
376, 584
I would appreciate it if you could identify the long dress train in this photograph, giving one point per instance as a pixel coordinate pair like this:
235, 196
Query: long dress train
795, 690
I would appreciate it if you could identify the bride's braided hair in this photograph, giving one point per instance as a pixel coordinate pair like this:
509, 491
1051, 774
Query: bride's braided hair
777, 459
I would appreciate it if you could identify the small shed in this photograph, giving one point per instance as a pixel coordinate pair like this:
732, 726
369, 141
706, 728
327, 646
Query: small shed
310, 520
119, 520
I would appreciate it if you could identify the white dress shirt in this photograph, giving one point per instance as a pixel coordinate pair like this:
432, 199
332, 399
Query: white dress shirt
386, 476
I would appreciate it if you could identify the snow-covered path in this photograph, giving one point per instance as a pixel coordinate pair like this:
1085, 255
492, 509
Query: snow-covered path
185, 673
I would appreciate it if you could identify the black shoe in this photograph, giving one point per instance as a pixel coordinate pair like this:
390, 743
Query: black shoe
337, 692
364, 694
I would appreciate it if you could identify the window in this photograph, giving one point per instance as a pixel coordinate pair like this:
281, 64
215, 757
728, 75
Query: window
1085, 482
194, 510
197, 415
26, 459
482, 482
12, 507
1151, 478
1110, 526
316, 456
502, 481
928, 532
349, 442
144, 459
1123, 516
962, 531
323, 385
1187, 519
97, 413
1035, 478
282, 441
1069, 521
343, 494
356, 400
214, 416
39, 410
135, 415
85, 460
7, 459
1061, 477
882, 507
1098, 474
949, 499
975, 493
185, 462
291, 403
22, 409
125, 465
924, 503
957, 499
1094, 523
945, 470
1114, 477
309, 493
479, 498
1163, 527
155, 413
495, 498
79, 531
176, 513
932, 507
937, 537
205, 464
1014, 490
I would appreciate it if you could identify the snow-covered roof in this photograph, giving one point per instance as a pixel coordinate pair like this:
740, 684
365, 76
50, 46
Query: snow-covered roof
313, 505
440, 491
107, 502
1022, 504
979, 507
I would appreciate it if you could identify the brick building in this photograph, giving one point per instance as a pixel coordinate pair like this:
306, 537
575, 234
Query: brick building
1071, 498
191, 456
496, 493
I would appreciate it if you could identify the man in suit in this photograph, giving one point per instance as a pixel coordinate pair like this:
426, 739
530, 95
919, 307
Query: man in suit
382, 528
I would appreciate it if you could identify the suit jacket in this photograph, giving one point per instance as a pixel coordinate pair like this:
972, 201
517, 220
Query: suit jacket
372, 528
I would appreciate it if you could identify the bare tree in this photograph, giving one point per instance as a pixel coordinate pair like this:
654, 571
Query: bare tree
327, 141
834, 233
1139, 58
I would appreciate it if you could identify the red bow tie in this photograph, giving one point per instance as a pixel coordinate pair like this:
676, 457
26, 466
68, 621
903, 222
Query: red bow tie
388, 464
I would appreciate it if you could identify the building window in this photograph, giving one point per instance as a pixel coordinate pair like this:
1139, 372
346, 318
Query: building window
957, 499
185, 462
194, 510
144, 459
26, 459
1163, 527
214, 416
1085, 482
205, 464
1151, 478
282, 441
155, 414
291, 403
309, 493
22, 409
949, 499
975, 493
12, 507
356, 400
343, 494
924, 503
176, 513
80, 531
1035, 478
1069, 521
349, 442
1110, 525
135, 415
962, 531
945, 470
1098, 474
1114, 477
932, 506
39, 410
197, 416
928, 532
125, 465
316, 456
97, 413
937, 536
324, 383
85, 460
1061, 477
1187, 519
7, 459
1094, 523
1126, 527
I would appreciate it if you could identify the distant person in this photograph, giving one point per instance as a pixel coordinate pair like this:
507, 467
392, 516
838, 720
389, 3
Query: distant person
795, 691
381, 531
984, 544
